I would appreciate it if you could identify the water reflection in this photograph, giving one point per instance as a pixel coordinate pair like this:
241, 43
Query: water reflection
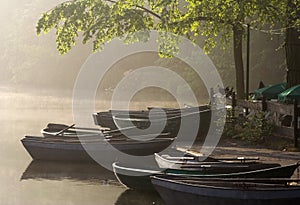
78, 171
130, 197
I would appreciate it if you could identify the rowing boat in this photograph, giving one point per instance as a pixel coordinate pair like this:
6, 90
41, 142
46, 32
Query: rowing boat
105, 118
65, 149
192, 191
192, 161
54, 130
139, 177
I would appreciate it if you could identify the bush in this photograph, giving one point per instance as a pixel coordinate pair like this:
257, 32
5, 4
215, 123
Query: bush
253, 128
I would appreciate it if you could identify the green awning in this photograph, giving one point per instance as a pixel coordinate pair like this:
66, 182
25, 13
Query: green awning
270, 92
290, 94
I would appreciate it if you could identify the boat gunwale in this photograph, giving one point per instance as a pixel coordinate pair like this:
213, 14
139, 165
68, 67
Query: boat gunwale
213, 191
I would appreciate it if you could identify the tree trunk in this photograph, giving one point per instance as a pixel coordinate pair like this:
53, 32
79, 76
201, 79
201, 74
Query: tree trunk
238, 59
292, 49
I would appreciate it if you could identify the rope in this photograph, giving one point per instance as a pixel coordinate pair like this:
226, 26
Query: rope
271, 31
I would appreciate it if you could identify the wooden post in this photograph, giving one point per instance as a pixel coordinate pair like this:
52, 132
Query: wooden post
233, 100
247, 67
296, 130
233, 104
264, 104
212, 100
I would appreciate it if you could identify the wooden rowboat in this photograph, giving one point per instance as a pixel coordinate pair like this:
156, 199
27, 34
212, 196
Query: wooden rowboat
64, 149
193, 191
195, 123
139, 178
192, 161
105, 118
54, 130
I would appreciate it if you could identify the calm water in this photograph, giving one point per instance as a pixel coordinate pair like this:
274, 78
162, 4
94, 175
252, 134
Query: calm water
23, 181
27, 182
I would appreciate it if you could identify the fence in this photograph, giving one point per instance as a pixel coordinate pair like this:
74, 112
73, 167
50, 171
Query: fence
279, 112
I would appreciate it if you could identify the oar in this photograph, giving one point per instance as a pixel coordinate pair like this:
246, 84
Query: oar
63, 130
119, 130
213, 165
198, 154
190, 152
63, 126
238, 159
57, 126
179, 158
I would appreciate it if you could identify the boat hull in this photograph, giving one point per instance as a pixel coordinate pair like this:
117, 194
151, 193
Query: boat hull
67, 150
174, 118
56, 152
267, 172
139, 178
192, 166
174, 192
135, 178
191, 124
105, 119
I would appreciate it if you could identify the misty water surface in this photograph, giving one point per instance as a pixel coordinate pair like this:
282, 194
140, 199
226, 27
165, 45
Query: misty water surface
35, 183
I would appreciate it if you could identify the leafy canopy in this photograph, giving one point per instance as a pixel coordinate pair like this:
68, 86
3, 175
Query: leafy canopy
103, 20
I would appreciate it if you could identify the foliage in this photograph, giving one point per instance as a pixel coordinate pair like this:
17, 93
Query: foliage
103, 20
254, 128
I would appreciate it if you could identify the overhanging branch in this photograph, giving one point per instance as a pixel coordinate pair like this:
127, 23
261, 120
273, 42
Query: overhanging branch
140, 7
66, 2
204, 18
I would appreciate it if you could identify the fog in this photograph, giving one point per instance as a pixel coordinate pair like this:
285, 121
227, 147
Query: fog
36, 88
32, 63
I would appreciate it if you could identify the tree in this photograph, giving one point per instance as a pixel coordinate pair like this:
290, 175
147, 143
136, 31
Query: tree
103, 20
292, 42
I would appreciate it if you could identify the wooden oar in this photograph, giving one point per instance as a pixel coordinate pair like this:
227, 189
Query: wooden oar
63, 130
63, 126
213, 165
119, 130
190, 152
198, 154
238, 159
178, 158
57, 126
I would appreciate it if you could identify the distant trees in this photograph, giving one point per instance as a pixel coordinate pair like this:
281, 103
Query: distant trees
103, 20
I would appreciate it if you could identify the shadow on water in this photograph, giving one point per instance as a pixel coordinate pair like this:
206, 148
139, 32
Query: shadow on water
130, 197
77, 171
